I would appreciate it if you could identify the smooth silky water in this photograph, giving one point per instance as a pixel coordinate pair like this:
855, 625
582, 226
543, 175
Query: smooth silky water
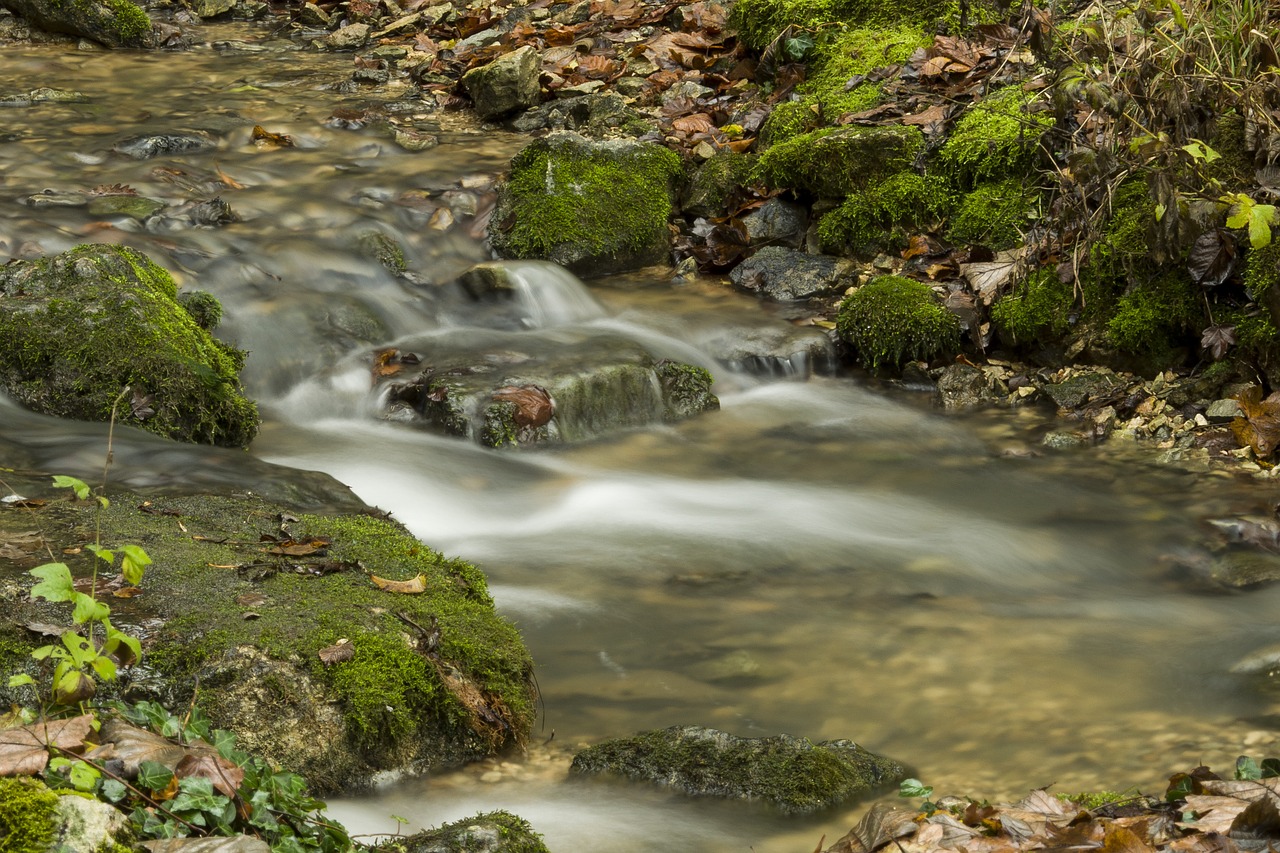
817, 558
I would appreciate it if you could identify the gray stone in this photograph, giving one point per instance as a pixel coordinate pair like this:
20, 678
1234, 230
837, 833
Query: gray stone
783, 274
777, 223
89, 824
685, 90
1263, 661
963, 386
507, 84
1082, 386
1061, 439
1221, 411
161, 144
106, 22
796, 775
135, 206
212, 8
595, 116
1245, 568
401, 26
311, 15
350, 37
57, 198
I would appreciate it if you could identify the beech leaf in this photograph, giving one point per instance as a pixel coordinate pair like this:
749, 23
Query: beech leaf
24, 751
413, 586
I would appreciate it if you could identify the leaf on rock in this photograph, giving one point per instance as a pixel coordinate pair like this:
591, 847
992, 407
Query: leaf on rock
263, 137
989, 278
878, 827
134, 746
412, 586
225, 775
343, 650
291, 548
24, 751
534, 406
1259, 426
1212, 258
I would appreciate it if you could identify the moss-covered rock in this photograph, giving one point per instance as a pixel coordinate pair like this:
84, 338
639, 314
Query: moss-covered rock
81, 326
996, 138
114, 23
240, 604
759, 22
839, 161
1036, 312
28, 816
715, 182
794, 774
594, 207
891, 319
994, 214
841, 55
492, 832
507, 84
882, 216
788, 120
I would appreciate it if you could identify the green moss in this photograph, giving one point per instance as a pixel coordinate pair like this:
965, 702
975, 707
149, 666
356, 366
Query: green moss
496, 832
993, 214
841, 54
883, 215
1036, 312
1153, 318
686, 390
1122, 254
892, 319
569, 199
759, 22
1097, 799
203, 307
1262, 270
28, 816
82, 325
130, 21
716, 182
839, 161
377, 246
790, 119
995, 138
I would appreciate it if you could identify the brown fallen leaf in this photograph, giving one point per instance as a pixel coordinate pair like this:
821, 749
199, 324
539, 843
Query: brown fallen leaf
262, 137
409, 587
24, 751
1259, 424
343, 650
225, 775
134, 746
534, 406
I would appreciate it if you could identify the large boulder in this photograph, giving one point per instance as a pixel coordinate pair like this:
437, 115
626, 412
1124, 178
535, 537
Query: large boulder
338, 646
795, 774
783, 274
507, 84
835, 162
596, 208
114, 23
80, 327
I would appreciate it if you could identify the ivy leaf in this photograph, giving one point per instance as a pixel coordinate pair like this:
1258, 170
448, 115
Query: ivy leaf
154, 776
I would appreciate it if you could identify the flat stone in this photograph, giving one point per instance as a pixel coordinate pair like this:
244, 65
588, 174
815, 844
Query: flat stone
350, 37
1221, 411
783, 274
507, 84
160, 144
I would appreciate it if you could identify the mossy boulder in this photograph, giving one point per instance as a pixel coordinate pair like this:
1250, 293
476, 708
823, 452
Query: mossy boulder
994, 214
1036, 312
794, 774
759, 22
114, 23
507, 84
28, 816
81, 326
247, 602
996, 138
885, 214
492, 832
838, 161
596, 208
891, 319
503, 390
715, 183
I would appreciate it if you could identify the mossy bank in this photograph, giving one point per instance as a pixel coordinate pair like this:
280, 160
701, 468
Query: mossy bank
246, 602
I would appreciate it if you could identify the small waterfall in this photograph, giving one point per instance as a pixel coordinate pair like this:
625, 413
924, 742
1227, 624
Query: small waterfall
542, 295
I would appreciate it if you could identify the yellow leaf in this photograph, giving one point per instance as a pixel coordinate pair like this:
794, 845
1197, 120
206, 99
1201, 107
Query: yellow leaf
409, 587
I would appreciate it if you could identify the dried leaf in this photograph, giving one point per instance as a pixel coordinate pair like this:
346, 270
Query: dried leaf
409, 587
263, 137
882, 824
534, 406
1259, 425
1217, 339
989, 278
1212, 258
134, 746
343, 650
225, 775
24, 751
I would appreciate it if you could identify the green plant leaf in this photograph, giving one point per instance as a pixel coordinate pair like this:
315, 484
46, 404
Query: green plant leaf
1260, 218
154, 776
126, 648
84, 777
796, 49
101, 553
88, 608
78, 486
914, 788
105, 667
1247, 769
55, 582
45, 651
113, 791
134, 562
20, 679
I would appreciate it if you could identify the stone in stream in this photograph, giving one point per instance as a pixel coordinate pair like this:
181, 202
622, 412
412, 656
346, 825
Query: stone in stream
785, 274
81, 326
492, 832
507, 84
794, 774
160, 144
113, 23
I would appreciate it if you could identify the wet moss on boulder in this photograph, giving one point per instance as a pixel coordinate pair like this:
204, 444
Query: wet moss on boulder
794, 774
891, 319
28, 816
881, 217
595, 207
426, 680
113, 23
492, 832
80, 326
995, 214
838, 161
996, 138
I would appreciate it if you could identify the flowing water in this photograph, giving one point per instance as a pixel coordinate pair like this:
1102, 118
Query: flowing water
817, 558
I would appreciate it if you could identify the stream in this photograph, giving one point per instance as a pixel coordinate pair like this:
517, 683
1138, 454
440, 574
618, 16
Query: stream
821, 557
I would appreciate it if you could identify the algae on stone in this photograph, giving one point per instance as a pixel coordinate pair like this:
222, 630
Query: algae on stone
593, 207
794, 774
891, 319
491, 832
81, 326
114, 23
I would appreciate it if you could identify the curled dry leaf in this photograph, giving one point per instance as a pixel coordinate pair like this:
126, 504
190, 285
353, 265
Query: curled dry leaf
343, 650
1259, 424
263, 137
413, 586
534, 406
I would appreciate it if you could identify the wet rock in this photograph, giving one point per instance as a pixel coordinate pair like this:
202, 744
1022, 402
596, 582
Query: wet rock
311, 15
113, 23
1222, 411
794, 774
785, 274
43, 96
494, 832
1081, 386
963, 386
415, 140
146, 147
1264, 661
350, 37
401, 26
777, 223
715, 182
129, 331
135, 206
793, 352
507, 84
596, 116
1062, 439
377, 246
88, 824
211, 8
597, 208
685, 90
595, 383
1245, 568
57, 198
